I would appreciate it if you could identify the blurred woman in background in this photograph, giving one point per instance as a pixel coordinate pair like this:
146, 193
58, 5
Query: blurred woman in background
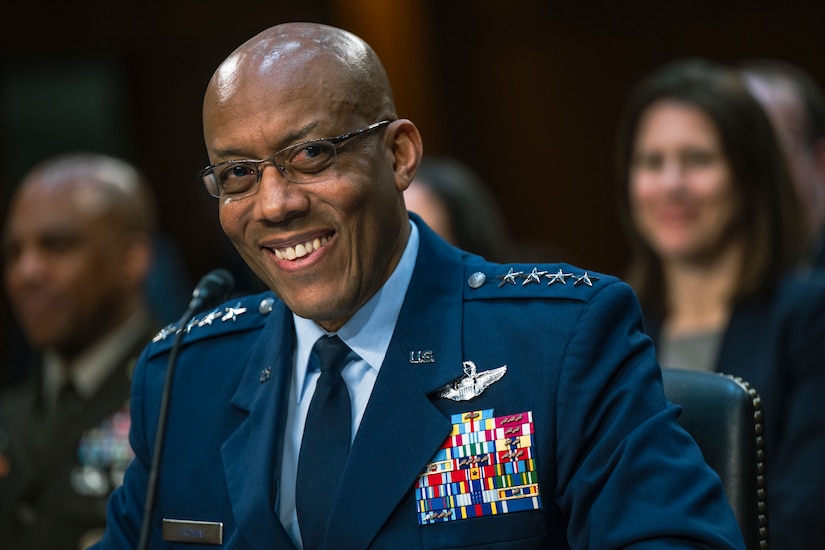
716, 235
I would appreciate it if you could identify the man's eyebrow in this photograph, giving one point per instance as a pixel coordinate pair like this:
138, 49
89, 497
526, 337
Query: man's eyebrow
231, 153
61, 234
295, 137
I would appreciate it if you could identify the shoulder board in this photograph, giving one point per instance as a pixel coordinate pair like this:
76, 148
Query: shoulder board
235, 315
485, 281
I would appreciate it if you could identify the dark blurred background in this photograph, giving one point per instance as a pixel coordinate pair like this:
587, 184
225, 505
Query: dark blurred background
527, 92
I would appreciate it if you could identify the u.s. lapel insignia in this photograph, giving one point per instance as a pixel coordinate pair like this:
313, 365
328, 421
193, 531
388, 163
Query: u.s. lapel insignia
472, 384
418, 357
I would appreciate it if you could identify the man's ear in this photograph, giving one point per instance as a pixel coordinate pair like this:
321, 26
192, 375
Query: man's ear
407, 149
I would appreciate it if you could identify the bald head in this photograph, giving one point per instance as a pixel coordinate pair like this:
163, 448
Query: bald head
301, 60
97, 186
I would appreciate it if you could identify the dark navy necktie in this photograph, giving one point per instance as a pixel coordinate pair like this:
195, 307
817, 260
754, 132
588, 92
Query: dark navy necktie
325, 443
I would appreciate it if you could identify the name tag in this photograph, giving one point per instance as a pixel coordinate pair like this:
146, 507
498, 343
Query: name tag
203, 532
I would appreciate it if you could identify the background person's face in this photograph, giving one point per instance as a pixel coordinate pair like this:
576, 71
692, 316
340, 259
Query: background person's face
62, 272
682, 195
787, 114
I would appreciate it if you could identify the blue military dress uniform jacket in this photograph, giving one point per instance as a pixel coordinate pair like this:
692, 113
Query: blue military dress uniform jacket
612, 466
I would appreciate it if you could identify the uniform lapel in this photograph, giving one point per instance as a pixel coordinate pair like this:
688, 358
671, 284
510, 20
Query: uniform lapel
252, 454
402, 429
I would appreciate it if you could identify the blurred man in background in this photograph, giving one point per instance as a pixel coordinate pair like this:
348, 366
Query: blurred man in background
77, 248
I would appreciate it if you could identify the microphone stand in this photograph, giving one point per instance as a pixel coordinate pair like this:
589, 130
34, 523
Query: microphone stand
215, 287
161, 430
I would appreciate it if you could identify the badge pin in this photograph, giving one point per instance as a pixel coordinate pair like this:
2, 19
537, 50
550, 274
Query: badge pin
266, 306
477, 280
90, 481
472, 384
266, 374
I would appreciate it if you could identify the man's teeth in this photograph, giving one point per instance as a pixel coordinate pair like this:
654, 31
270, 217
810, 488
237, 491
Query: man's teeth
300, 250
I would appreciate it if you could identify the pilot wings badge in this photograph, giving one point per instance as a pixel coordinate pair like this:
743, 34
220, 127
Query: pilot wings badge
472, 384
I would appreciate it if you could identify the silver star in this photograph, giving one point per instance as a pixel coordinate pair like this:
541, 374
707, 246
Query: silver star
207, 320
233, 312
585, 279
534, 277
191, 324
558, 277
164, 332
511, 277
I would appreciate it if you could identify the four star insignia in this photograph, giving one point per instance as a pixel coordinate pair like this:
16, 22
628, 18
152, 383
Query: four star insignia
535, 276
228, 314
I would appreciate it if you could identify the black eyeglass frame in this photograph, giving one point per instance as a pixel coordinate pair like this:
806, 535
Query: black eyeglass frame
210, 179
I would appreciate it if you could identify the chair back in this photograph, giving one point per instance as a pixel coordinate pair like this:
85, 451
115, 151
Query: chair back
723, 413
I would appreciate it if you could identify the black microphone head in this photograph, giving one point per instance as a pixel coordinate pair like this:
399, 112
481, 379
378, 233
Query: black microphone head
215, 287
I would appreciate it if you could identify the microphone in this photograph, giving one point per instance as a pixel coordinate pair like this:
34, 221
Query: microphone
215, 287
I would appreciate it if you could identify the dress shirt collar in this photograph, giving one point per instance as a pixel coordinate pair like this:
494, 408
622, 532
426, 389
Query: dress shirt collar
369, 331
91, 369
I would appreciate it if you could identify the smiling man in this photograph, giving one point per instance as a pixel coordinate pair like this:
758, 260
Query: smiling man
392, 391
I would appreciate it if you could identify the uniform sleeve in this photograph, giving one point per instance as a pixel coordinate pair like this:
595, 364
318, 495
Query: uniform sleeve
124, 514
629, 475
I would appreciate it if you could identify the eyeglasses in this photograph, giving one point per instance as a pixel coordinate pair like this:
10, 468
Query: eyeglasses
306, 162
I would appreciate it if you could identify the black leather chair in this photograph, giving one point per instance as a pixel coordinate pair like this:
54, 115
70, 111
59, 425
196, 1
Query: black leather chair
723, 413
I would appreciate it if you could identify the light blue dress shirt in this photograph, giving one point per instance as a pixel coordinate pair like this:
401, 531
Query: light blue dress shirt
368, 334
